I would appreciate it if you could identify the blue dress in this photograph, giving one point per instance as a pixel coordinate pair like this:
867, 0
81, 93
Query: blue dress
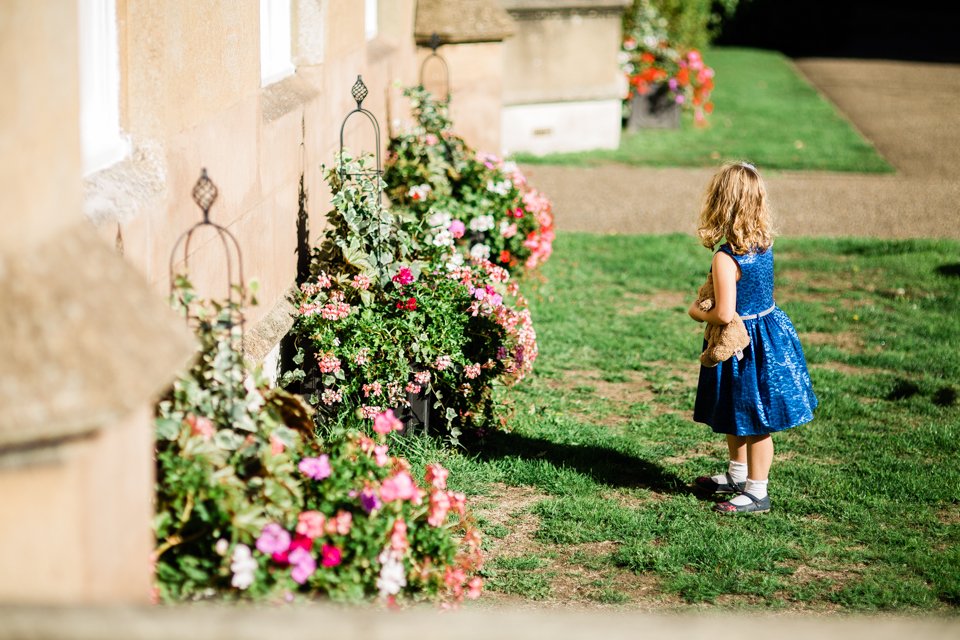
769, 389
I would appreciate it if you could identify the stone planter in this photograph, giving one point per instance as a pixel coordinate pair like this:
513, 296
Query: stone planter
656, 110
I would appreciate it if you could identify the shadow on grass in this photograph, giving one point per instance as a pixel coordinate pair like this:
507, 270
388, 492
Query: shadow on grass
604, 465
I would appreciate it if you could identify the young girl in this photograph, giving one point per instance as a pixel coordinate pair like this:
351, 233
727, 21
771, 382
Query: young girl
768, 389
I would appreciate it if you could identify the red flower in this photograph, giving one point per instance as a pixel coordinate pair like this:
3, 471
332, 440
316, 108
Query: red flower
646, 57
411, 304
505, 256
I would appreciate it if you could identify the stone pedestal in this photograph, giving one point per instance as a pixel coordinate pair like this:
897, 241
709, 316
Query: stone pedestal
656, 110
562, 82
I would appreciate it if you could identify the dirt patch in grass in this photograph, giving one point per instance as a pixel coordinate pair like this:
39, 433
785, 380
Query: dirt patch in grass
846, 341
621, 391
949, 515
511, 507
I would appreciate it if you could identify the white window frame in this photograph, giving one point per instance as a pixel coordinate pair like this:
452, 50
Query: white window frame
102, 142
276, 51
371, 18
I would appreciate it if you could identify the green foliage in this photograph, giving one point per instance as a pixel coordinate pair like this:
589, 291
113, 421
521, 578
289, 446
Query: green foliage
688, 24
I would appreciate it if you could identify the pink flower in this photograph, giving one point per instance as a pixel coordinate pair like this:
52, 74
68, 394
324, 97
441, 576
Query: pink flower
340, 524
472, 371
431, 139
458, 503
413, 388
474, 587
331, 556
422, 377
361, 282
436, 475
386, 422
331, 397
362, 357
443, 362
273, 539
373, 388
439, 506
404, 276
200, 426
398, 536
380, 455
276, 446
303, 565
316, 468
457, 229
509, 230
370, 411
310, 524
399, 487
328, 362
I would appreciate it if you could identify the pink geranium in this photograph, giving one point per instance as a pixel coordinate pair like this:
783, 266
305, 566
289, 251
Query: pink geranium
457, 229
311, 524
299, 542
439, 506
316, 468
404, 276
273, 539
399, 487
398, 536
386, 422
437, 475
303, 565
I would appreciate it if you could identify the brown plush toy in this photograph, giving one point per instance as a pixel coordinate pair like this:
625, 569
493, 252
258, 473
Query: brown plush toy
723, 342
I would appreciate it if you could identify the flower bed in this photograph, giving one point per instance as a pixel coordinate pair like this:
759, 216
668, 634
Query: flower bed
251, 505
471, 204
373, 330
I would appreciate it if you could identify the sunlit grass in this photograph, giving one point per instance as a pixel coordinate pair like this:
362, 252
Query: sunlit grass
766, 113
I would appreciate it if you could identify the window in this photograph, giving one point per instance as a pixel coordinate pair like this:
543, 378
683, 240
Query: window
370, 18
275, 57
101, 141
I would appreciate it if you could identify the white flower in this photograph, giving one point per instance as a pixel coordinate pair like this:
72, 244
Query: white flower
454, 261
393, 575
482, 223
509, 167
443, 239
480, 251
500, 188
243, 567
419, 192
440, 219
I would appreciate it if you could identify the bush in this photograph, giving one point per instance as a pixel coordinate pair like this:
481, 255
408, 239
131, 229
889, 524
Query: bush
251, 505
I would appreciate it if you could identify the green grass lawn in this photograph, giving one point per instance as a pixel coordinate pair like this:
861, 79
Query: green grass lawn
585, 499
765, 113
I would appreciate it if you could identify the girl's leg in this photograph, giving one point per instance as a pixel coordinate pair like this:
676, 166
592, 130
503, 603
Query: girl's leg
759, 456
737, 446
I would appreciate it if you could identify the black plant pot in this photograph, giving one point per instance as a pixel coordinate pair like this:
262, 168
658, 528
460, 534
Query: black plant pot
657, 109
421, 417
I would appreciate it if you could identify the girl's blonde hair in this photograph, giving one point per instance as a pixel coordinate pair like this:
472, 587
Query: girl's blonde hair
735, 208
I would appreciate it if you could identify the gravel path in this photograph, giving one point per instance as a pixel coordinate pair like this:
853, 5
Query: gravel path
908, 110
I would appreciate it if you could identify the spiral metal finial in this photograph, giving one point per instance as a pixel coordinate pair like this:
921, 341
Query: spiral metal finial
359, 91
205, 194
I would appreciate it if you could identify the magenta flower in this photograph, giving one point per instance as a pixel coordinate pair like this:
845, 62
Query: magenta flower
403, 277
316, 468
273, 539
331, 556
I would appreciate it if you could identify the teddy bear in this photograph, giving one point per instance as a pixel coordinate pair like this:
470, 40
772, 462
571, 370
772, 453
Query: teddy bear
723, 341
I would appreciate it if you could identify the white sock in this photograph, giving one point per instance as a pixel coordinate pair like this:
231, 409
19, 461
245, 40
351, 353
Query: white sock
737, 470
756, 488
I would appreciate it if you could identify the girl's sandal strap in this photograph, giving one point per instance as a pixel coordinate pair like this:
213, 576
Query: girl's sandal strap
756, 505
